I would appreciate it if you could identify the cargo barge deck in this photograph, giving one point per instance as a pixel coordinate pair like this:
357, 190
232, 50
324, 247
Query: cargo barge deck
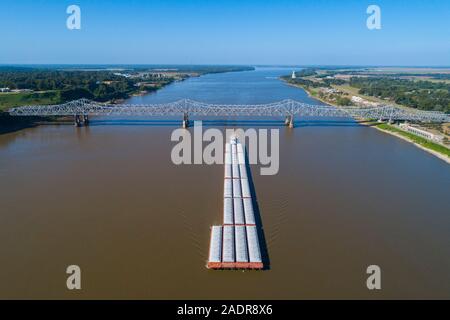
235, 243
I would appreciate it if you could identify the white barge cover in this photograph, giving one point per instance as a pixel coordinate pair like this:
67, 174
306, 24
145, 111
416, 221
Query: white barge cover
227, 211
236, 188
228, 188
241, 244
241, 158
236, 171
245, 188
248, 211
235, 244
228, 158
253, 244
238, 211
243, 171
228, 174
233, 148
234, 158
228, 244
227, 147
215, 248
240, 148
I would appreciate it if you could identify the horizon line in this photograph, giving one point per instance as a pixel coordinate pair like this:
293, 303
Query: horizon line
226, 64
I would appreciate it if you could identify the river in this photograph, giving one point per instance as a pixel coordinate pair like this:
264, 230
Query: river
108, 198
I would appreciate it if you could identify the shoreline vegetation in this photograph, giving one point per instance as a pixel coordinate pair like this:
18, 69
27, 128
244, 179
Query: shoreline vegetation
436, 149
333, 96
22, 86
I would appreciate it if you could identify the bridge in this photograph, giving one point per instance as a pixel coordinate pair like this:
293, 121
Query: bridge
81, 110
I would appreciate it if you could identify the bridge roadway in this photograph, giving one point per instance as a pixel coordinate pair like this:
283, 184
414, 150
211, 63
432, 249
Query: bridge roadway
83, 108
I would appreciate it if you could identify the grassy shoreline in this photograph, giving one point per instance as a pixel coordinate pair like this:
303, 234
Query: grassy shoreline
420, 142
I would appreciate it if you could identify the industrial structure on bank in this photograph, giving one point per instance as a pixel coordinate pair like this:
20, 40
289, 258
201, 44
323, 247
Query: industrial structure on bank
235, 243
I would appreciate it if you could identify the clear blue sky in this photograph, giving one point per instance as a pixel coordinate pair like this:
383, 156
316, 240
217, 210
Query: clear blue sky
414, 32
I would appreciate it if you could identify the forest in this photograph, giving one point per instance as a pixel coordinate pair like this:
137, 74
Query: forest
423, 95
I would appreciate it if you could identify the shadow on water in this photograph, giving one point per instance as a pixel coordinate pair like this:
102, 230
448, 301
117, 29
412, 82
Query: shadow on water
178, 123
258, 220
129, 122
325, 123
4, 129
9, 124
244, 123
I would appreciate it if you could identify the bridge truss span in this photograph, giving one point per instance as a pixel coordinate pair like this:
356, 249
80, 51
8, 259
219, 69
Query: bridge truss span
286, 108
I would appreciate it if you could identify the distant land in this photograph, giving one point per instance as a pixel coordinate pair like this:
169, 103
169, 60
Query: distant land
406, 87
413, 87
53, 84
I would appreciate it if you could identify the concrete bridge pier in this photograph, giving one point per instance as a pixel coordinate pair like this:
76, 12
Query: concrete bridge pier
81, 120
77, 120
289, 121
185, 120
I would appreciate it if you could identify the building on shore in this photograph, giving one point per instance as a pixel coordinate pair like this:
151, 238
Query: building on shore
422, 133
21, 90
293, 75
363, 102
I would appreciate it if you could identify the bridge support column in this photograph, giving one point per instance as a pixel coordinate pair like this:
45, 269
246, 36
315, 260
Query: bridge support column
77, 120
185, 121
286, 121
289, 122
85, 120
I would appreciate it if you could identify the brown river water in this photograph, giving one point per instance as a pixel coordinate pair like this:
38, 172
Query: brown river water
108, 198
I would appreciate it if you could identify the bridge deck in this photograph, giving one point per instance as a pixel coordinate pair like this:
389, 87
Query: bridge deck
186, 107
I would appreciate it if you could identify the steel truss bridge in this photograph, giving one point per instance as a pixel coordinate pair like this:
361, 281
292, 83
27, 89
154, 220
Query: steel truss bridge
83, 108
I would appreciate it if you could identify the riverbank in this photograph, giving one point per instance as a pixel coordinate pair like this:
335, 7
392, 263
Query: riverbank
435, 149
309, 92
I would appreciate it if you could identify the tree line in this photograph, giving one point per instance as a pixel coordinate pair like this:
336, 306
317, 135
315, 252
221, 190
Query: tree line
423, 95
98, 85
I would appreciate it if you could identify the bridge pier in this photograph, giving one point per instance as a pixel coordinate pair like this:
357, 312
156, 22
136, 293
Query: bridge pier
289, 121
185, 120
77, 120
81, 120
286, 121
